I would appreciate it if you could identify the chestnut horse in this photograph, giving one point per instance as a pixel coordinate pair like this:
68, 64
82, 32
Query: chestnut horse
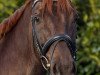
38, 38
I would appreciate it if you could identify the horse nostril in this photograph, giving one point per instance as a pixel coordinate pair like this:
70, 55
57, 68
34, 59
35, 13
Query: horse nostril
54, 69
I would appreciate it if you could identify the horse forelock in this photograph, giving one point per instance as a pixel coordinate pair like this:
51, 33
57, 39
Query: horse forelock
11, 21
63, 5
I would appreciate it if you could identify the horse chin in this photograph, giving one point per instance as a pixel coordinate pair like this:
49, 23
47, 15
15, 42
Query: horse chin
61, 68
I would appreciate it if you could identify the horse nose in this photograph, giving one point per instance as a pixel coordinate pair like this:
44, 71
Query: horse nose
62, 62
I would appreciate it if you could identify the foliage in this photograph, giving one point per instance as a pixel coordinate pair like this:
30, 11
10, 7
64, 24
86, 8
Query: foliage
8, 7
88, 42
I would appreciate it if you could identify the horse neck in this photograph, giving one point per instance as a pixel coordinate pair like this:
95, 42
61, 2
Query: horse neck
19, 34
23, 27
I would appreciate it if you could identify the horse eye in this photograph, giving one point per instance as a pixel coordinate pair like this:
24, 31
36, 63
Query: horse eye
37, 19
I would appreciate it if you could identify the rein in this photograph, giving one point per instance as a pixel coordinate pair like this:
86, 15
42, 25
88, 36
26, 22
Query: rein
42, 50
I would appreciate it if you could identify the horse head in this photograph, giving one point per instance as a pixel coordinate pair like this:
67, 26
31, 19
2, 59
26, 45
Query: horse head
53, 23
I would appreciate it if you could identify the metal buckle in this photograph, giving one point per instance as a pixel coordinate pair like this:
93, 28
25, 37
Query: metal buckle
45, 63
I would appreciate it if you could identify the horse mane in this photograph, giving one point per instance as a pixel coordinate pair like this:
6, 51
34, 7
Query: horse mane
63, 5
11, 21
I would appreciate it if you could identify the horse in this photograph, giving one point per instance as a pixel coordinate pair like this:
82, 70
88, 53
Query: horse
39, 38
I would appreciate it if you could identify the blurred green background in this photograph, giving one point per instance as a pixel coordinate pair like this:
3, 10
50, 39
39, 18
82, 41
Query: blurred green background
88, 38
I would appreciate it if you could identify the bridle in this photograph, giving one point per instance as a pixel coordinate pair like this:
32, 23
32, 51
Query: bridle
42, 50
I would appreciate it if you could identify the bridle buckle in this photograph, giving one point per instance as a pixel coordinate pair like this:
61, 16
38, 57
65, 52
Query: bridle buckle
45, 63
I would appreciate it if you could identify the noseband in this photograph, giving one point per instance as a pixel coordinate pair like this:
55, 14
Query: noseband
42, 50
